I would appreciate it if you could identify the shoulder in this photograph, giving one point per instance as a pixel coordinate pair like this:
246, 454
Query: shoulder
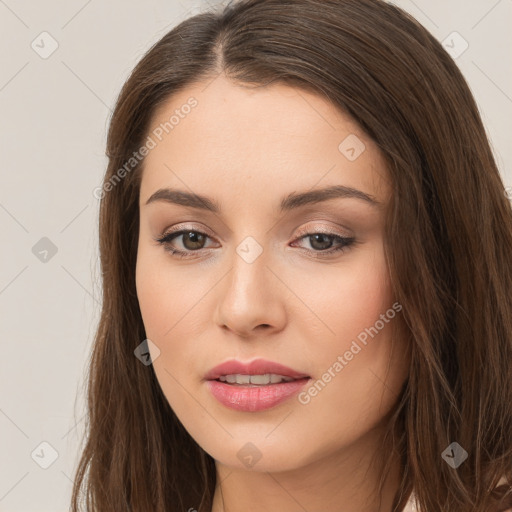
412, 506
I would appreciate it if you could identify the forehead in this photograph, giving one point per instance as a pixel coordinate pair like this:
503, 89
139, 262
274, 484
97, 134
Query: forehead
221, 136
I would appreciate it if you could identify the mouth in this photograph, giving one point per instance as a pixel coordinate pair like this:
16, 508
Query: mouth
255, 386
240, 379
239, 372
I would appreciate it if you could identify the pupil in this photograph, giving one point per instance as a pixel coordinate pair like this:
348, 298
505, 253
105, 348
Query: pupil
195, 237
327, 242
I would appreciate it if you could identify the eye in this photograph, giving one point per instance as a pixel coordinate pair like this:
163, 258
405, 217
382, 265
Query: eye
322, 243
192, 241
326, 243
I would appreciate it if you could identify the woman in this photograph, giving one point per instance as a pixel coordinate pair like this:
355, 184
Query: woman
303, 229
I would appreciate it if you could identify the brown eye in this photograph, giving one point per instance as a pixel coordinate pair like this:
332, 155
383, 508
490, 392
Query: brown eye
193, 240
323, 244
321, 241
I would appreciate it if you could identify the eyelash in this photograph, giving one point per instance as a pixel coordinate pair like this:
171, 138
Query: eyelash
167, 238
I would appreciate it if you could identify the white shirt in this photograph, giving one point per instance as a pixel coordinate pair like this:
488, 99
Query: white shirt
411, 505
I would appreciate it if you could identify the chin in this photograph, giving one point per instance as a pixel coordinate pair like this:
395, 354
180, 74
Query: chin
259, 456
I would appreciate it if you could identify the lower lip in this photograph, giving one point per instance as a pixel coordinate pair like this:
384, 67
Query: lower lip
254, 398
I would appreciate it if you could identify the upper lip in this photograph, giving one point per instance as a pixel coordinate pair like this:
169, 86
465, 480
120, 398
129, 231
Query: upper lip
256, 367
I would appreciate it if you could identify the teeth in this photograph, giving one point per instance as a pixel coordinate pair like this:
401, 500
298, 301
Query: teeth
261, 380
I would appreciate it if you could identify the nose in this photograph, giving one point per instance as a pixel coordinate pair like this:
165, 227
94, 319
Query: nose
250, 299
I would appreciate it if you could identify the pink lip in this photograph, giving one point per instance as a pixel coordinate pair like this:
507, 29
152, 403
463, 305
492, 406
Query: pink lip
253, 398
256, 367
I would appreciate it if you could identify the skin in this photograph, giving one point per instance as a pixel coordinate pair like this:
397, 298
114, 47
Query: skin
246, 149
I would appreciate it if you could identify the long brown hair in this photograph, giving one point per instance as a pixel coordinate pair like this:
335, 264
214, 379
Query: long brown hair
448, 245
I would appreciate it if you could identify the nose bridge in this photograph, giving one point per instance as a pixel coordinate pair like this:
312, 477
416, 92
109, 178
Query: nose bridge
248, 282
249, 295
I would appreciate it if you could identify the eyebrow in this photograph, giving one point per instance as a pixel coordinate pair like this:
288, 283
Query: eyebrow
290, 202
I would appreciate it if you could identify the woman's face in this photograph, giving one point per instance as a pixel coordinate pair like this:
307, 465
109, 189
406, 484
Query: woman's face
275, 267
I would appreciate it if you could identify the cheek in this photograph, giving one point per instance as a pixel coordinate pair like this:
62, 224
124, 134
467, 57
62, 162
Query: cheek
165, 294
353, 356
171, 301
152, 295
347, 300
166, 306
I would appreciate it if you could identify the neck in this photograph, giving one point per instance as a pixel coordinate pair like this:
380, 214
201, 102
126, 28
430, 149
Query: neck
342, 481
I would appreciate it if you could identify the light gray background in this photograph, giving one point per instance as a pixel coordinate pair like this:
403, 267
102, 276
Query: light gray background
54, 114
